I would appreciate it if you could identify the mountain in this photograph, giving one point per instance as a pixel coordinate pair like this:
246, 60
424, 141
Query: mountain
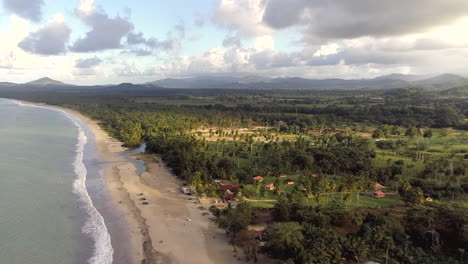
392, 81
260, 82
442, 82
458, 91
7, 83
46, 81
403, 77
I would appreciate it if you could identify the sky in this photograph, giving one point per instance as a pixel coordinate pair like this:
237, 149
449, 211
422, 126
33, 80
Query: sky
114, 41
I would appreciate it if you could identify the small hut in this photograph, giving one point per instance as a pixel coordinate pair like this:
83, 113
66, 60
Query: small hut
282, 175
379, 194
378, 186
258, 178
270, 187
288, 182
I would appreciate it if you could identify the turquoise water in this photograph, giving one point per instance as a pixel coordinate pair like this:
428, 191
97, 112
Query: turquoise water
46, 216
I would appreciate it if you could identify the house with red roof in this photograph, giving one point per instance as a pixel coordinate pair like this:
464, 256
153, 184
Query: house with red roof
258, 178
288, 182
378, 186
379, 194
282, 175
270, 187
230, 197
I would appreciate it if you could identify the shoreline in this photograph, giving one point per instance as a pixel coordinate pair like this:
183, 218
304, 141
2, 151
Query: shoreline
156, 211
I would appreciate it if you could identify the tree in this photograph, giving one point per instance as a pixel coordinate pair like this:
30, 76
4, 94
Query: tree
281, 211
428, 133
285, 239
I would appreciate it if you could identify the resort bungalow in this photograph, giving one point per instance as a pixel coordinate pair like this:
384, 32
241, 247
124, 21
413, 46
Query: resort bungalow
282, 175
270, 187
288, 182
230, 197
379, 194
378, 186
258, 178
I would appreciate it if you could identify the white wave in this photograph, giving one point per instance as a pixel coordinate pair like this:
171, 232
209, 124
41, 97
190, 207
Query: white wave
94, 226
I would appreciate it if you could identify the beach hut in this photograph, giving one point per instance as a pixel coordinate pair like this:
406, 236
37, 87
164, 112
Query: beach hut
378, 186
270, 187
379, 194
288, 182
230, 197
282, 175
258, 178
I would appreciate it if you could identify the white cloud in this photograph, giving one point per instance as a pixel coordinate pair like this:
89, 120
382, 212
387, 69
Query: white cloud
244, 16
51, 39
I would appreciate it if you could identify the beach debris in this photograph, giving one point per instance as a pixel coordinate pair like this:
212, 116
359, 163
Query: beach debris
188, 219
140, 194
145, 203
142, 199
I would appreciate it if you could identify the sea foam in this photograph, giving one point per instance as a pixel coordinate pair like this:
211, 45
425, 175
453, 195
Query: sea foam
94, 226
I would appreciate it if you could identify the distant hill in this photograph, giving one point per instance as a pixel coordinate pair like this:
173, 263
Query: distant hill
442, 82
403, 77
392, 81
437, 83
259, 82
458, 91
46, 81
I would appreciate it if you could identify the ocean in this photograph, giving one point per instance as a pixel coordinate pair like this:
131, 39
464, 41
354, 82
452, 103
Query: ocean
52, 192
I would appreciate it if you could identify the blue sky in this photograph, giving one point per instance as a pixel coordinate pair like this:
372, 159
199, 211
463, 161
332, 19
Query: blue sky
112, 41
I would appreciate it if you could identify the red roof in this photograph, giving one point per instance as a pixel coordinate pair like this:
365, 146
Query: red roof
378, 185
271, 185
230, 187
260, 178
379, 193
230, 197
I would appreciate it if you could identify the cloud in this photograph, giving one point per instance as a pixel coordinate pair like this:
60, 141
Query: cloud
243, 16
50, 39
171, 43
88, 63
106, 32
7, 61
336, 19
28, 9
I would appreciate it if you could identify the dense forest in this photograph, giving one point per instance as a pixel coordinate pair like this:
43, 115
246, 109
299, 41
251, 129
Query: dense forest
336, 148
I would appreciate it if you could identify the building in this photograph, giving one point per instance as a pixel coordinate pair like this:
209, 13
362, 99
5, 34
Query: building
230, 197
282, 175
288, 182
379, 194
270, 187
378, 186
258, 178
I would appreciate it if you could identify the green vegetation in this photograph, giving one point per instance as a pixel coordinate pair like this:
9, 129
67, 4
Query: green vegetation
333, 146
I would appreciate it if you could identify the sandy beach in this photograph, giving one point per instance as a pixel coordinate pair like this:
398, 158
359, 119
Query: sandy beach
166, 225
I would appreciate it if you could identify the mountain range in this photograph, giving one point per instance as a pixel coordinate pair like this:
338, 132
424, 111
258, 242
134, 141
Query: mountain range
439, 82
434, 83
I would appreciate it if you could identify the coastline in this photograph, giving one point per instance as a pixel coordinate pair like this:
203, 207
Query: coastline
159, 229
